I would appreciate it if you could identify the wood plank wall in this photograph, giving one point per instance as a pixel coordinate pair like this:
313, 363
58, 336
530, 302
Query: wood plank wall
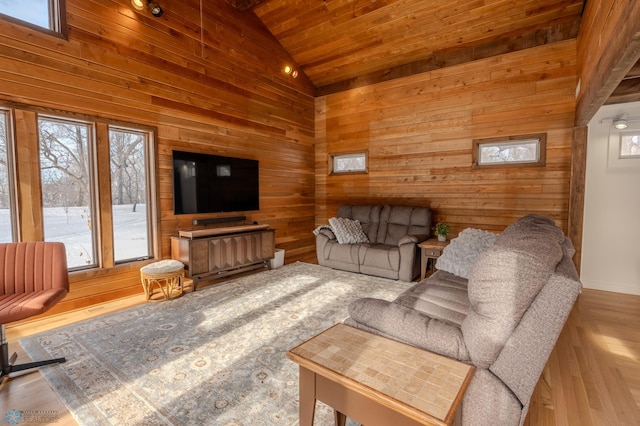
418, 132
208, 82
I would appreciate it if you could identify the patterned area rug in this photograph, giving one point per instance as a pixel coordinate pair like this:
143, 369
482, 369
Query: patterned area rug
214, 356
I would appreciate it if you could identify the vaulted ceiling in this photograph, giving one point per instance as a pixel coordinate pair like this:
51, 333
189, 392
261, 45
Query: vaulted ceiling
338, 42
342, 44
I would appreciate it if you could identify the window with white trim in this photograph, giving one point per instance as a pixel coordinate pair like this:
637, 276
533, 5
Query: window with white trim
353, 162
629, 144
46, 14
528, 150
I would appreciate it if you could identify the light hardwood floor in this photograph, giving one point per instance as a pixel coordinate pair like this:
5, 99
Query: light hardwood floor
592, 378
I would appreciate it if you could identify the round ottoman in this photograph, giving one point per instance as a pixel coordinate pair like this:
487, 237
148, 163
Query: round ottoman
166, 276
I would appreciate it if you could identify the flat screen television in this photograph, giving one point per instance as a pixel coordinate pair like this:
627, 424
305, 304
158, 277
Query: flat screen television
204, 183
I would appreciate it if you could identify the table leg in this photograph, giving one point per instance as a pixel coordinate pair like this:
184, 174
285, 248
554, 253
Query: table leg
423, 263
307, 396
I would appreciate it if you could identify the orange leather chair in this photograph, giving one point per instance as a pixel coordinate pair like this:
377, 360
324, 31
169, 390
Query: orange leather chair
33, 278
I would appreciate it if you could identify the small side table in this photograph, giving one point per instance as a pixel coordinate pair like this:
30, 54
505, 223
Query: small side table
430, 249
376, 380
166, 275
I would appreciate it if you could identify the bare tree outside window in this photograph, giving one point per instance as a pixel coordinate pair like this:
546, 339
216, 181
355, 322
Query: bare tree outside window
510, 150
514, 152
6, 228
355, 162
127, 150
66, 188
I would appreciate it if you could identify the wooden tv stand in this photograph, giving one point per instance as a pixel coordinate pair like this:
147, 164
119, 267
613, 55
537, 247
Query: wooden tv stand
213, 253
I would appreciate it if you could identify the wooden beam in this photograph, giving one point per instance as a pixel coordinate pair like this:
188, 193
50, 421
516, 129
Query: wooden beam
608, 48
610, 80
456, 56
627, 91
634, 72
243, 5
576, 190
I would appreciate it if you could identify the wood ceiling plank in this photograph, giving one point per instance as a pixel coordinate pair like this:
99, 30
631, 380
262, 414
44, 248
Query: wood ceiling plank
335, 40
451, 57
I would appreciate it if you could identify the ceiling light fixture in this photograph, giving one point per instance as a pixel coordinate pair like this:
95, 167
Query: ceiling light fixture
620, 124
153, 7
290, 71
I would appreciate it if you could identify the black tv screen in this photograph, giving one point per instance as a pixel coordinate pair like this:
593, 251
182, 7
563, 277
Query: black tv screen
204, 183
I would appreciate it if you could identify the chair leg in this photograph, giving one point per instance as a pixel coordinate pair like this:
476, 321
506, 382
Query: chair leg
7, 364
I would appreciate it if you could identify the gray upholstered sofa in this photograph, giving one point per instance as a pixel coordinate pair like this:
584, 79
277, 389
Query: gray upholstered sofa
389, 245
504, 319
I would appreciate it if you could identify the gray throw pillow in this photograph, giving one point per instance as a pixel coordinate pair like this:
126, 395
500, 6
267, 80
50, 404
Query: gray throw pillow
348, 231
460, 255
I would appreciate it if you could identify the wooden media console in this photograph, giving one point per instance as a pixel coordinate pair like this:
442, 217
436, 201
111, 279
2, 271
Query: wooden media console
216, 252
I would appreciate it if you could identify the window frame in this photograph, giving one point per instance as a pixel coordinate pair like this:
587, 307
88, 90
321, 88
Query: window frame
511, 140
57, 20
94, 192
11, 174
621, 134
149, 154
25, 142
337, 155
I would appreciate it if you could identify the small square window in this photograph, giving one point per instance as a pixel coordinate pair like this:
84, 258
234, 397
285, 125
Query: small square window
630, 145
45, 14
354, 162
510, 150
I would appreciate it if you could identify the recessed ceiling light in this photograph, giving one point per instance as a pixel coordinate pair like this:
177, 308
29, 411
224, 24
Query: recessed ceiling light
620, 124
138, 4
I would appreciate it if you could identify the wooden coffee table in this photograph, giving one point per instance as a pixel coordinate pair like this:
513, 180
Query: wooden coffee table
376, 380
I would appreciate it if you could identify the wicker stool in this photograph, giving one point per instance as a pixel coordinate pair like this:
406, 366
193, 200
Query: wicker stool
164, 274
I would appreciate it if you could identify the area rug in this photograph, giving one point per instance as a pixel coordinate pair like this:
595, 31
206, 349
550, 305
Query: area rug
212, 357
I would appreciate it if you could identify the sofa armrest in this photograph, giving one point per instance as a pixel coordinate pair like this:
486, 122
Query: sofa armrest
327, 233
408, 239
412, 239
535, 337
409, 326
324, 237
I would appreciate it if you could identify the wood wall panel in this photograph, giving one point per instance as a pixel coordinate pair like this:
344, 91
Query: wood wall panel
210, 84
419, 130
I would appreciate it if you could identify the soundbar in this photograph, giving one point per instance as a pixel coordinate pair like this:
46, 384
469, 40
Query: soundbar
218, 220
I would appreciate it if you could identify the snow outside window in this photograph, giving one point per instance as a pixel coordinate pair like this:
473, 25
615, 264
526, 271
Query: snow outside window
128, 150
66, 172
7, 214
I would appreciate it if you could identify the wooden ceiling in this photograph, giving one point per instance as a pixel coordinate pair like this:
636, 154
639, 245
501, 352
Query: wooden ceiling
334, 41
342, 44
